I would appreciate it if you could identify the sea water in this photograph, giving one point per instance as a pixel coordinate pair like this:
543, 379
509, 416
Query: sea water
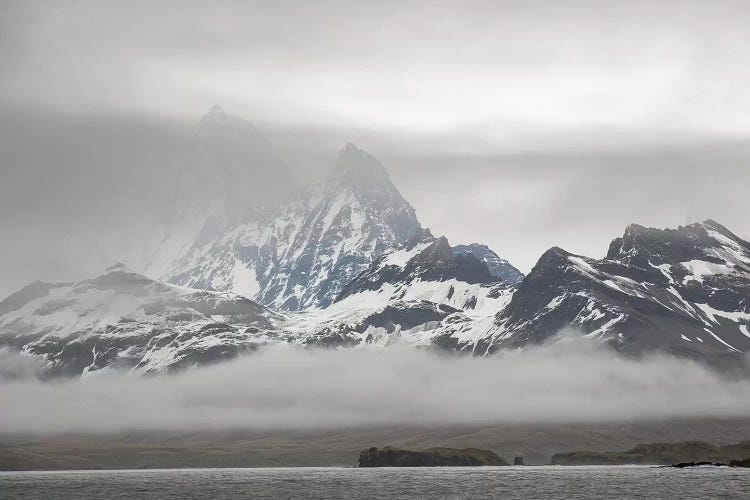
547, 482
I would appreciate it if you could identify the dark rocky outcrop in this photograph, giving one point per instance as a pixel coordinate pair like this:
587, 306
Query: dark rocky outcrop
518, 461
740, 463
500, 268
432, 457
436, 262
586, 457
683, 465
672, 454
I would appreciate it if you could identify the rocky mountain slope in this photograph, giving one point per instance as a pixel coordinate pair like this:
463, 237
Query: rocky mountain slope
421, 293
303, 254
124, 320
684, 291
300, 253
499, 268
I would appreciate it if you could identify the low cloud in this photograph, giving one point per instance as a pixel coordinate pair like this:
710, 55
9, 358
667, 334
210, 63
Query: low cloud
290, 388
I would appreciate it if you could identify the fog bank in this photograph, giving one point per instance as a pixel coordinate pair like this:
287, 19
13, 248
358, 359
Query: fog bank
289, 388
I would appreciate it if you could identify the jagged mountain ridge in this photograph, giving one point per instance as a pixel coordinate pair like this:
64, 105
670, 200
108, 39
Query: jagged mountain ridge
302, 255
425, 258
414, 294
684, 291
693, 302
303, 252
346, 262
498, 267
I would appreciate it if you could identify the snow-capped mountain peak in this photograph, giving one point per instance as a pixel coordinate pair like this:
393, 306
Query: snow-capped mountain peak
684, 291
360, 170
302, 255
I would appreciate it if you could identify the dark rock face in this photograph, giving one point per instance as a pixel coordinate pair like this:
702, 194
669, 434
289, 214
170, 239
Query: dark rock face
500, 268
435, 262
396, 316
684, 454
406, 317
684, 291
740, 463
518, 461
421, 286
433, 457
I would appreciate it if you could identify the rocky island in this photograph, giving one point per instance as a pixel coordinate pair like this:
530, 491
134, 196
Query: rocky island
431, 457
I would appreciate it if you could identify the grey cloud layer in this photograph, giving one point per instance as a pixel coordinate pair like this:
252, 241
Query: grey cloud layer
97, 186
308, 389
518, 124
419, 65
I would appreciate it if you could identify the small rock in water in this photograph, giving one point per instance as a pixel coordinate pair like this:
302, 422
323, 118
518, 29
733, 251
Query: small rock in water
518, 461
682, 465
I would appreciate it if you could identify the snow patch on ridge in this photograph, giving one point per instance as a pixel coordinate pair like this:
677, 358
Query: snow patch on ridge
244, 280
700, 268
402, 256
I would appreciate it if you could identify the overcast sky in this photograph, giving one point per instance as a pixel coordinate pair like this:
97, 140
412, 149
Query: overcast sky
518, 124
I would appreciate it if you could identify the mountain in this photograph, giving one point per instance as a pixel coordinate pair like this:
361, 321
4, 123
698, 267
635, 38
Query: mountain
423, 258
236, 164
303, 254
232, 175
421, 293
124, 320
500, 268
340, 262
683, 291
250, 258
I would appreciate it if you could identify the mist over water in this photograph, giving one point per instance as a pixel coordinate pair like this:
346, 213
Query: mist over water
284, 387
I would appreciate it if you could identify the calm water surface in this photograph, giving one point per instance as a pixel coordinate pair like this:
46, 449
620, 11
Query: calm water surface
443, 482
